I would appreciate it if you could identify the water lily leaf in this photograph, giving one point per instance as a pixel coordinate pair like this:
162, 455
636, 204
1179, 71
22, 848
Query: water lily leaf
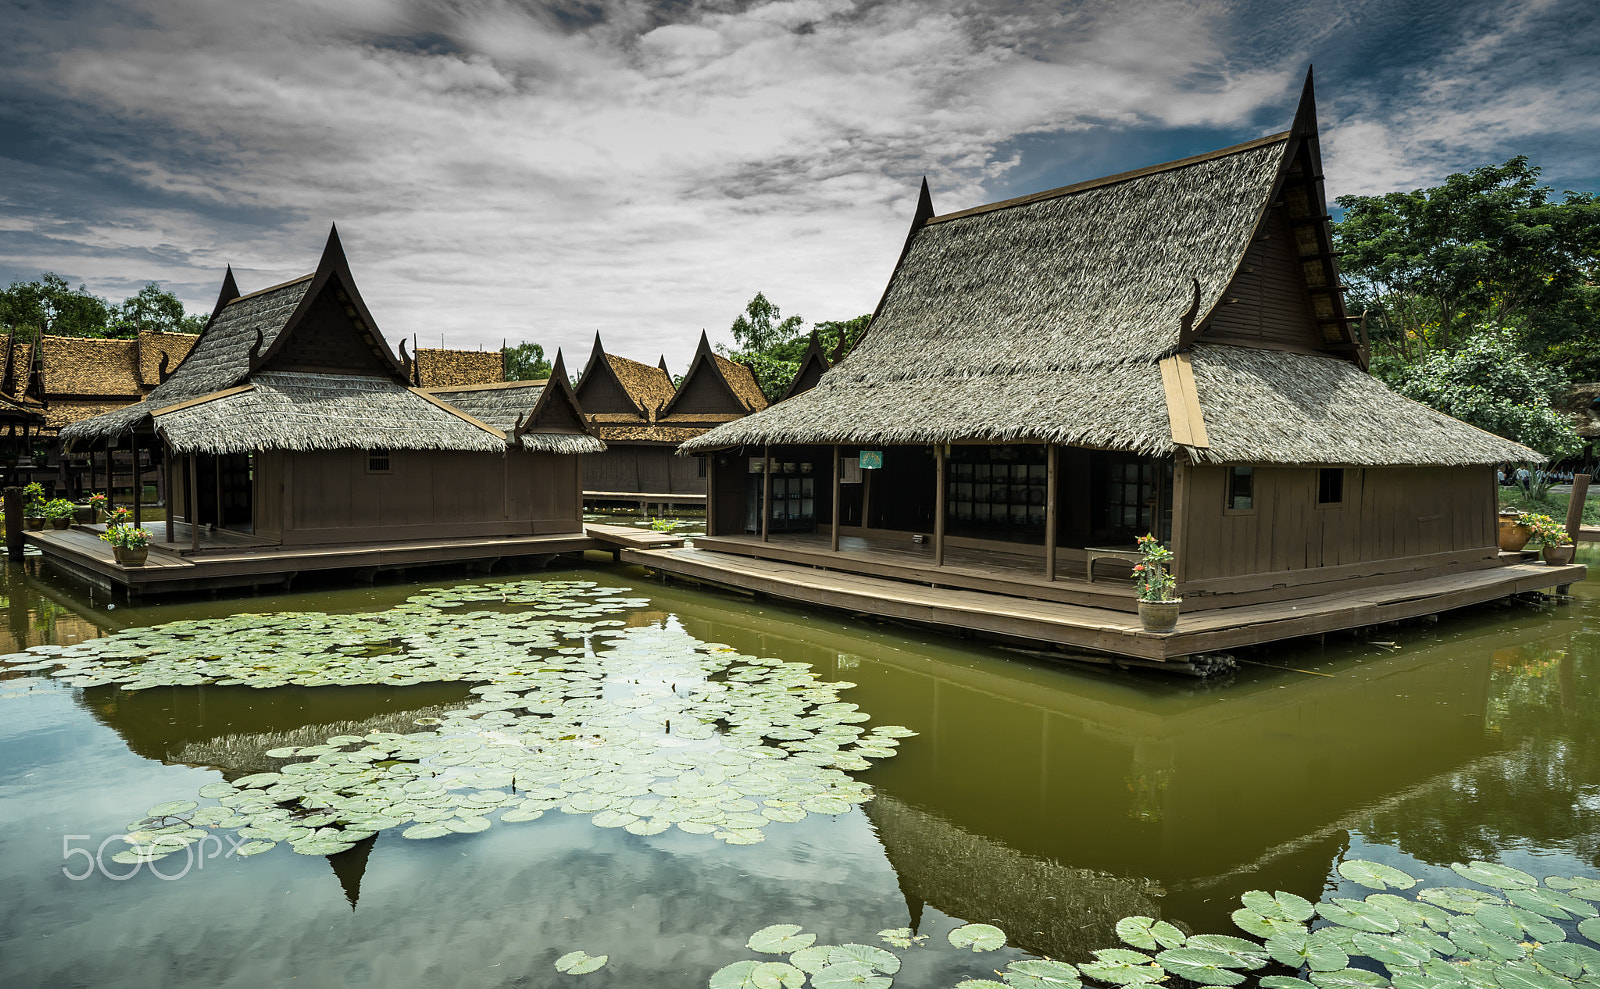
1246, 954
254, 848
900, 937
1552, 904
580, 963
1300, 949
1202, 965
812, 959
1375, 875
1283, 982
1590, 929
978, 937
1251, 922
1476, 941
1568, 958
849, 975
1147, 933
1358, 915
212, 791
1588, 889
980, 984
780, 939
171, 808
1041, 973
739, 975
1411, 912
643, 826
885, 962
777, 975
1493, 874
1392, 951
426, 831
1458, 898
1521, 975
1122, 967
1357, 977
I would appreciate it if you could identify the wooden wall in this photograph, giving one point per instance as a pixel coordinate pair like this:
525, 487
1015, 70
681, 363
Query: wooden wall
1393, 522
1273, 309
641, 468
705, 393
328, 341
329, 497
601, 394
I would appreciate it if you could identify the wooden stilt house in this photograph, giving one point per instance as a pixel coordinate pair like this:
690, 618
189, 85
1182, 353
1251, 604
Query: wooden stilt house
642, 418
1166, 351
292, 424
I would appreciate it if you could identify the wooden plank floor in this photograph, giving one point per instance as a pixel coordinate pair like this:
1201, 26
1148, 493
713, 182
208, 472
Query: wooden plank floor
630, 537
1100, 629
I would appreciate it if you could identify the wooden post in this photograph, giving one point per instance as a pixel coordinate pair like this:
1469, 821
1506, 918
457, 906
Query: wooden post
166, 487
838, 470
711, 493
138, 494
1180, 509
866, 500
1052, 486
766, 492
194, 500
939, 500
14, 537
216, 474
1580, 494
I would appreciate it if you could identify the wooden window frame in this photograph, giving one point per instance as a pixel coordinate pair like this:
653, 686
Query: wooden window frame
388, 461
1227, 491
1343, 478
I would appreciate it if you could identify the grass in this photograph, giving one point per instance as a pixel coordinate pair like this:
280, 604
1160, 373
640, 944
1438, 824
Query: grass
1553, 504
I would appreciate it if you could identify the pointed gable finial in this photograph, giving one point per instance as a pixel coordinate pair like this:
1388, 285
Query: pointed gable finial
662, 364
333, 248
229, 292
924, 205
558, 367
705, 344
1305, 115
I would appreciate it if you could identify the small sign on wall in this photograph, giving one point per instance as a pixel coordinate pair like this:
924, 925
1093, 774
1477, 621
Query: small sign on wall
871, 459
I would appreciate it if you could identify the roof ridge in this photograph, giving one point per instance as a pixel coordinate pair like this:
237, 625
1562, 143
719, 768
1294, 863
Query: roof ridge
1117, 179
273, 288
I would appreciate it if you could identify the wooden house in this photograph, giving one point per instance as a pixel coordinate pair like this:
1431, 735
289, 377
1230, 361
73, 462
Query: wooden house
642, 418
292, 424
1161, 351
813, 365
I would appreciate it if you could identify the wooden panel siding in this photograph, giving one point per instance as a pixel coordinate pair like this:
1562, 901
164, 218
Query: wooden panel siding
1273, 311
329, 341
645, 468
705, 394
268, 508
1431, 516
600, 394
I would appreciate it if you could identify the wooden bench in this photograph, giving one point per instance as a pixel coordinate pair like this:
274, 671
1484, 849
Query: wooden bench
1130, 554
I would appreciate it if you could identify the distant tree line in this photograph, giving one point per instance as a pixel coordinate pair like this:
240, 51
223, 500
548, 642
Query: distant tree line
1482, 297
50, 305
773, 345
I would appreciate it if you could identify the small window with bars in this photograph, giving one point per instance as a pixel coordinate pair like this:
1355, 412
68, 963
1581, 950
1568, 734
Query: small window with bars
378, 462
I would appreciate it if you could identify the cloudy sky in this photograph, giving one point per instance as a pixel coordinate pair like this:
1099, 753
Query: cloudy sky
540, 170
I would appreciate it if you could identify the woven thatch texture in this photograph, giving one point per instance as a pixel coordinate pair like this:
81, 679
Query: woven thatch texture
221, 357
743, 382
152, 345
89, 367
1262, 406
501, 407
455, 368
301, 411
17, 413
648, 386
64, 412
1041, 321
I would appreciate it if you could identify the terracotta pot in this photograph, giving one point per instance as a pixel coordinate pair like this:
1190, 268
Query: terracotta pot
60, 523
1159, 616
1513, 536
131, 556
1559, 556
35, 522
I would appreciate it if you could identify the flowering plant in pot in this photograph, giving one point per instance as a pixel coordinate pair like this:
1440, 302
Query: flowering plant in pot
60, 512
1558, 548
1158, 609
130, 545
119, 516
34, 513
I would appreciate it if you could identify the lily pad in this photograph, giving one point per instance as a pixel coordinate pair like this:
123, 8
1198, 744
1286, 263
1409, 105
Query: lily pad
978, 937
580, 963
780, 939
1148, 933
1494, 874
1122, 967
1041, 973
1375, 875
1202, 965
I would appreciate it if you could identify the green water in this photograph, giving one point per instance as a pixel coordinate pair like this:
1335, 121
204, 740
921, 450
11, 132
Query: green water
1048, 801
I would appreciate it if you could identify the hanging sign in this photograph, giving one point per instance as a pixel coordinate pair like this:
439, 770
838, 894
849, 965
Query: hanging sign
871, 459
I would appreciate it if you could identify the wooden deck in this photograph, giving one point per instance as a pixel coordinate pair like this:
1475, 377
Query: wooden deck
232, 559
1101, 630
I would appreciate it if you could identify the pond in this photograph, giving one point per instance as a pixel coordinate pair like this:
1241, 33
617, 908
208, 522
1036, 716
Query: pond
529, 765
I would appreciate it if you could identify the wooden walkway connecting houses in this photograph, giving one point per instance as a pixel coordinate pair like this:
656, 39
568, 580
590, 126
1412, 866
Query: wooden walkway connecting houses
1161, 351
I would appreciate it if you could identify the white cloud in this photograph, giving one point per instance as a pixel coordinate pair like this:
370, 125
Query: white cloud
521, 173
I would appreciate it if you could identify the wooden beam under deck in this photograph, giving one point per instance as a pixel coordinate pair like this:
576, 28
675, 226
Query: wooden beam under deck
1099, 629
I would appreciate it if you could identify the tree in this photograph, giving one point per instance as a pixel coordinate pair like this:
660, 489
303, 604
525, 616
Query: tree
525, 362
49, 305
152, 311
1489, 383
773, 346
1490, 248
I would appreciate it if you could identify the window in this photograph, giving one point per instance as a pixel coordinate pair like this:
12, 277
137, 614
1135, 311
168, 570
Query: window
377, 461
700, 466
1330, 486
1241, 488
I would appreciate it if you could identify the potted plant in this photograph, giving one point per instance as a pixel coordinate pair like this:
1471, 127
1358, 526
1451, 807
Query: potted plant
60, 512
89, 510
1158, 609
35, 510
1513, 534
1557, 545
97, 501
130, 545
119, 516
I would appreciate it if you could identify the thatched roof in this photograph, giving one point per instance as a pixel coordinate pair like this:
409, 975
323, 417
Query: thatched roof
742, 380
513, 404
650, 386
813, 365
91, 367
304, 411
643, 389
152, 346
1048, 319
458, 368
